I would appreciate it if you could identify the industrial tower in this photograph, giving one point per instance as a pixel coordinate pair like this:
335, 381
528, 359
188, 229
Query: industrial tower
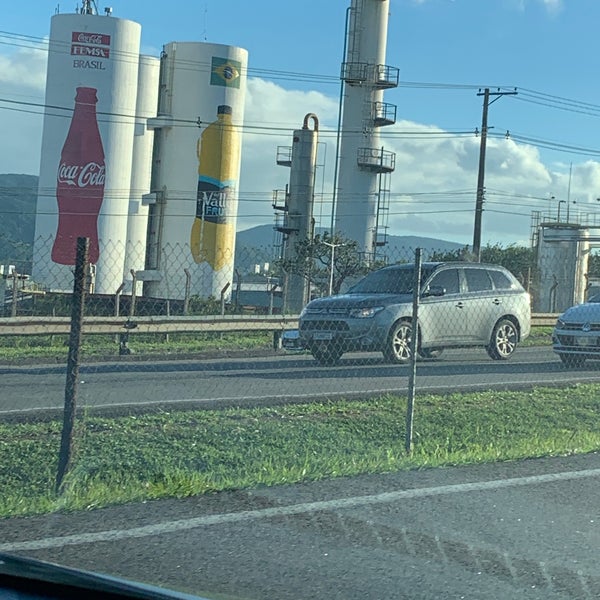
363, 188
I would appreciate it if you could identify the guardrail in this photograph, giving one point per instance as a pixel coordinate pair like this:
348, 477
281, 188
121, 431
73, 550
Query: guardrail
544, 319
177, 324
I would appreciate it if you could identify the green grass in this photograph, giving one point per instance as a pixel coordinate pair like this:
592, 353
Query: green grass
539, 336
54, 347
187, 453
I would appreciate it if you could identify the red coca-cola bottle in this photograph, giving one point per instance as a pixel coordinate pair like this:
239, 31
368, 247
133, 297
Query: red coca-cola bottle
80, 181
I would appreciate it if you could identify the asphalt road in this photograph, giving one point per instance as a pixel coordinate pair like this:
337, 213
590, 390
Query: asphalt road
513, 530
221, 382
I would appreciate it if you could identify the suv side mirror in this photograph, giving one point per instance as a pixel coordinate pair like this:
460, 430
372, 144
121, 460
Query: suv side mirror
434, 290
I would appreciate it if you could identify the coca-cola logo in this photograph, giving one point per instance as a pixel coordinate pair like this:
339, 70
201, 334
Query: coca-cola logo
82, 175
83, 37
89, 38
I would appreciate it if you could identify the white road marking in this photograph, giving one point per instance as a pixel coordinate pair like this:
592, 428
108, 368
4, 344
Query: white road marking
113, 535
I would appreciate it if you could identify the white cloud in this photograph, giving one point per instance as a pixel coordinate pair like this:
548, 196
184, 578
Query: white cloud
433, 187
25, 68
271, 115
553, 6
22, 79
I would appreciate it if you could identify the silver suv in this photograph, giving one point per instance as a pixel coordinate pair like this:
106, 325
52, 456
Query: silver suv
461, 304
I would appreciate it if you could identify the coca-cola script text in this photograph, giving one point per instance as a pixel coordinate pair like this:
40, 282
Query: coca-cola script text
98, 39
82, 176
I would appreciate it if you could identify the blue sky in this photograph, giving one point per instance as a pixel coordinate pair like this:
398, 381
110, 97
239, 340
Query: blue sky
539, 46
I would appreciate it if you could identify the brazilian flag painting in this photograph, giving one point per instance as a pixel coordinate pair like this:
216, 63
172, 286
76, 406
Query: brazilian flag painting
225, 72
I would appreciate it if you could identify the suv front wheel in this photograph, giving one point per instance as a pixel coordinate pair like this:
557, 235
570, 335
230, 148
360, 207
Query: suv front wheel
503, 342
397, 348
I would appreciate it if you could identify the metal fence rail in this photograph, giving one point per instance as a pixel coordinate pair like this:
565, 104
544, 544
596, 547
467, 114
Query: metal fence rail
176, 324
160, 324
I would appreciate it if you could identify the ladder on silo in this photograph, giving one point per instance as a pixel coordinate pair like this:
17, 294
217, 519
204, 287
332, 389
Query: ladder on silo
536, 216
354, 40
380, 235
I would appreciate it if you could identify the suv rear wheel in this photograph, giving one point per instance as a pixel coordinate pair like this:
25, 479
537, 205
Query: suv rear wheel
503, 342
397, 349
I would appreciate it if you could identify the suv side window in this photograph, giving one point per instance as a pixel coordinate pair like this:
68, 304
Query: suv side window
478, 280
501, 280
447, 279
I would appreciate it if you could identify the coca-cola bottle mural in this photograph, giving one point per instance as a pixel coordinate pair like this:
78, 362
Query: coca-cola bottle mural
80, 181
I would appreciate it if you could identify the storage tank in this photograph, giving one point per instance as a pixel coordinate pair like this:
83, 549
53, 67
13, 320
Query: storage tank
191, 240
563, 254
298, 226
87, 142
137, 219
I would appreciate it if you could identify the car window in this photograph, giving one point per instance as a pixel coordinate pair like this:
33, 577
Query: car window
448, 280
478, 280
385, 281
501, 280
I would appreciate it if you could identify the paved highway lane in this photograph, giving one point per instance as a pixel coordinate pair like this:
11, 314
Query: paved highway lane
527, 529
282, 377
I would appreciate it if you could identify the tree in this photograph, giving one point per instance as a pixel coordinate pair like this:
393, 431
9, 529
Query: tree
519, 260
312, 261
451, 255
594, 265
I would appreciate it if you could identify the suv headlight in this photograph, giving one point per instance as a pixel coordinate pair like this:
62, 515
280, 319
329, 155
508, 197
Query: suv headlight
365, 313
560, 324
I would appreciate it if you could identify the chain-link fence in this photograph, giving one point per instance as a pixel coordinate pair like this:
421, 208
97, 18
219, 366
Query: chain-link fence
332, 364
257, 279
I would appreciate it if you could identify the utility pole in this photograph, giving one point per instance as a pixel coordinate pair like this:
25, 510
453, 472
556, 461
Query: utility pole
333, 246
481, 173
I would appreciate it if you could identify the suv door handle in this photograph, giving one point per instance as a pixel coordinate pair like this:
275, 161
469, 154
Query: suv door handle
460, 305
496, 301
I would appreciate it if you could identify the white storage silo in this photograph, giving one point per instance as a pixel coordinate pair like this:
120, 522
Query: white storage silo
562, 258
196, 169
87, 158
137, 219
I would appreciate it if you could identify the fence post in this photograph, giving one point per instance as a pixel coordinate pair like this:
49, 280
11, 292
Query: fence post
15, 294
412, 374
118, 307
271, 298
133, 292
118, 299
238, 287
223, 292
77, 307
168, 311
186, 298
2, 294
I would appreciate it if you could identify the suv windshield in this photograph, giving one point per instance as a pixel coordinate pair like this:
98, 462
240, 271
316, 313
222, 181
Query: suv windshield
389, 281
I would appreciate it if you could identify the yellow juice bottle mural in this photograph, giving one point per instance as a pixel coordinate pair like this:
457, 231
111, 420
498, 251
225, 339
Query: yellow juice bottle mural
212, 237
